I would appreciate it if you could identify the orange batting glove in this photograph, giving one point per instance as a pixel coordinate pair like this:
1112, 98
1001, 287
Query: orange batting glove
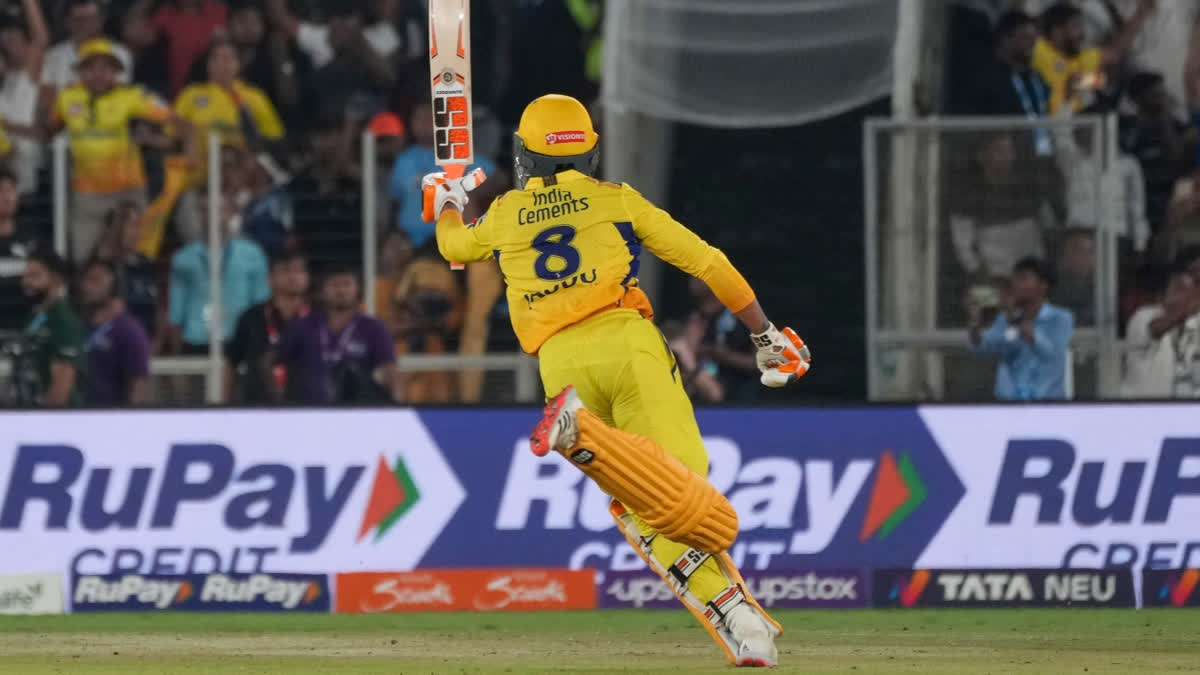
439, 191
782, 356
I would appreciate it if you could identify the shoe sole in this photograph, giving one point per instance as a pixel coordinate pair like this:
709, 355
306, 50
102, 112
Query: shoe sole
539, 440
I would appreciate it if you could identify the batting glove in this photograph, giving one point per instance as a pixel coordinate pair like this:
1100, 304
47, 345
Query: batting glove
782, 356
439, 191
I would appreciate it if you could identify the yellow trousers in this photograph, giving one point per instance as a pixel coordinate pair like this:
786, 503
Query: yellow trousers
620, 365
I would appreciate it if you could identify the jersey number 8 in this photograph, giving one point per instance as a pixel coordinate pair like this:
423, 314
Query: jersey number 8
555, 242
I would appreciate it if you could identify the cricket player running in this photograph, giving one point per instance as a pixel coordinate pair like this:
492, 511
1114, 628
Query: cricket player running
568, 247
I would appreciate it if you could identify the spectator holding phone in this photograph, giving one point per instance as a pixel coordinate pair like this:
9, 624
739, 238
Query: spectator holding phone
1031, 336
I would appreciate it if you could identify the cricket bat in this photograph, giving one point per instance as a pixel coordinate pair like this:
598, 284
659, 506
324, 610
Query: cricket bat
450, 70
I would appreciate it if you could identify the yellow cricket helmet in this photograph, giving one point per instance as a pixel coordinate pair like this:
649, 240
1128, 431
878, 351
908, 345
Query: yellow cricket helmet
555, 134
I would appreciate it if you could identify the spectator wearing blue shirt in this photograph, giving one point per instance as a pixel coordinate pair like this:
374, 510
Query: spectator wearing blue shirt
243, 284
412, 165
1031, 339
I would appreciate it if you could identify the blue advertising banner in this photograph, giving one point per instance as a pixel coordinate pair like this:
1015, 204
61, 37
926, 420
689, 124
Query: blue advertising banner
812, 488
276, 592
240, 492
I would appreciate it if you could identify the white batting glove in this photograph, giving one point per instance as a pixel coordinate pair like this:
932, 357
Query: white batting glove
440, 192
782, 356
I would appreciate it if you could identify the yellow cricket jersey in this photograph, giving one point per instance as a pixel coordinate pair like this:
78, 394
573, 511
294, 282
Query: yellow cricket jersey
104, 157
1057, 70
568, 248
211, 107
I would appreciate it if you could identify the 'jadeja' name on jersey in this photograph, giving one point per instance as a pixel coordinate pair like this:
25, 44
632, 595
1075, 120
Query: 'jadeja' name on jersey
554, 203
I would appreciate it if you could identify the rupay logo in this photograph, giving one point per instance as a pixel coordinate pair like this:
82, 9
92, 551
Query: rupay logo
897, 492
159, 593
286, 593
845, 495
392, 495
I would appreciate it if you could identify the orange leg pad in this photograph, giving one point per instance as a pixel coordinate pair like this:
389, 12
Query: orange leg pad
677, 502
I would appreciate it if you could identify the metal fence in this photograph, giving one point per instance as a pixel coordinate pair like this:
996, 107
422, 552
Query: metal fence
506, 377
951, 204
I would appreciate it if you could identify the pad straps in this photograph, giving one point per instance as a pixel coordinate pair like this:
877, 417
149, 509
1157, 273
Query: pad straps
686, 565
726, 600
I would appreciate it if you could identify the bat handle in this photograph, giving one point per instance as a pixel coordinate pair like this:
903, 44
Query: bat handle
456, 171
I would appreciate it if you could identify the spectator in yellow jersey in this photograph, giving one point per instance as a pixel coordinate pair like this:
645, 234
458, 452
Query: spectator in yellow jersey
1068, 67
239, 113
106, 162
242, 114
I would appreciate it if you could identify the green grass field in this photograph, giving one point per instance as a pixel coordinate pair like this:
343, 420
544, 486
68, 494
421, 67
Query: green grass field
896, 641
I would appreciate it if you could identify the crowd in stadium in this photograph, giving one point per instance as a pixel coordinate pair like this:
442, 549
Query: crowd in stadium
290, 87
1035, 197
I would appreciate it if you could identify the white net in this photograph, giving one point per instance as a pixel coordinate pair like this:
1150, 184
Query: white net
750, 63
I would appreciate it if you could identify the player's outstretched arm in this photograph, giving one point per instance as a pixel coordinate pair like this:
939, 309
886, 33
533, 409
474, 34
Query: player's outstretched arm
781, 355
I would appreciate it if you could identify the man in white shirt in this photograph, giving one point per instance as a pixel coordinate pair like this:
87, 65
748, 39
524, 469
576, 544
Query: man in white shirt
85, 21
1163, 343
24, 49
314, 38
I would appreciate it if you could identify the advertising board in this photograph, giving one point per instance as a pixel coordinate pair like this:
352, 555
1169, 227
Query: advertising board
1003, 588
1170, 588
205, 491
483, 590
262, 592
31, 593
784, 589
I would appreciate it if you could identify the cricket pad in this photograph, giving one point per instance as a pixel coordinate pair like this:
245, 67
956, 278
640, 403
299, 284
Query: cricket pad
677, 502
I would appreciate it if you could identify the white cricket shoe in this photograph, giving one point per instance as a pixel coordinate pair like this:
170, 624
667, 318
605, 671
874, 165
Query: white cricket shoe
559, 428
754, 637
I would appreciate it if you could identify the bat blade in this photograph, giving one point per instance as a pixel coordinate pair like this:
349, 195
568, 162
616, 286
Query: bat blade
450, 76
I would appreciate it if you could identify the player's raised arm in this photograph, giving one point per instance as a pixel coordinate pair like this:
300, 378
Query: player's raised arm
782, 356
446, 198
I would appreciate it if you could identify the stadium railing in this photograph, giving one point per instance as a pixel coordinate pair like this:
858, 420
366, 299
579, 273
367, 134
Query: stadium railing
950, 204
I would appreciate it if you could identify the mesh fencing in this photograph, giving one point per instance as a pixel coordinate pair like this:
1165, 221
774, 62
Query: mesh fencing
952, 205
338, 225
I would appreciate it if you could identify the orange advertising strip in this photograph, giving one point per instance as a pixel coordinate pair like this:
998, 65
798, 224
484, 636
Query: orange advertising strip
465, 589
